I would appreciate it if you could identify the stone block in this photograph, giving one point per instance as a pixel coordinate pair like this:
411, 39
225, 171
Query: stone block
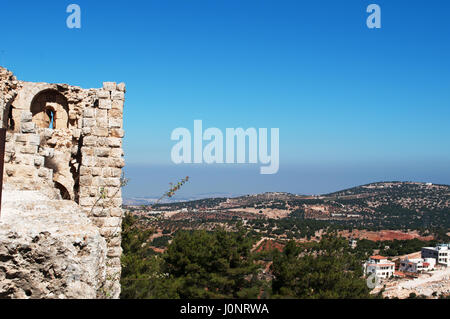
9, 136
114, 182
114, 142
121, 87
112, 222
76, 133
26, 117
111, 172
102, 161
98, 221
87, 122
108, 231
102, 141
85, 191
102, 122
21, 138
96, 171
116, 212
116, 172
114, 252
117, 202
115, 113
116, 152
117, 132
98, 181
106, 172
114, 242
109, 86
39, 161
116, 162
44, 173
90, 141
87, 201
105, 104
85, 170
118, 193
85, 180
99, 212
117, 105
24, 159
86, 131
73, 115
102, 151
104, 94
89, 161
115, 123
100, 131
88, 113
87, 151
28, 127
118, 95
24, 171
29, 149
113, 192
10, 170
34, 139
100, 113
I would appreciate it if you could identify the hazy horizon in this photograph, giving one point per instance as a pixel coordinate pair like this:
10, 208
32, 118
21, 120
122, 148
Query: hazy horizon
308, 179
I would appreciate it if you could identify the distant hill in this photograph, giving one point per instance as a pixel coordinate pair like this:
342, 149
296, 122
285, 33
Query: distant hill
177, 199
395, 205
411, 195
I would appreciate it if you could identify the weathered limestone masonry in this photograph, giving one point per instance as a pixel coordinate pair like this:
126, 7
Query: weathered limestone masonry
66, 141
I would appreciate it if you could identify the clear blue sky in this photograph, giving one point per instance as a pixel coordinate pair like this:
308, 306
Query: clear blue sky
353, 105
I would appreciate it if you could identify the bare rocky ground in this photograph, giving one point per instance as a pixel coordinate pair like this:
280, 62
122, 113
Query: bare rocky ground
48, 249
437, 282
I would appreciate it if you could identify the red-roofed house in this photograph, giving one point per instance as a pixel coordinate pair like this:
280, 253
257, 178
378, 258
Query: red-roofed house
377, 257
381, 266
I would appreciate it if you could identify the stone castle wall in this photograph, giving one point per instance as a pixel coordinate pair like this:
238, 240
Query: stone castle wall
66, 141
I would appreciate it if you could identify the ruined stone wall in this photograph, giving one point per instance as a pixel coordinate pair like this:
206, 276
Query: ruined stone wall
67, 142
8, 86
100, 171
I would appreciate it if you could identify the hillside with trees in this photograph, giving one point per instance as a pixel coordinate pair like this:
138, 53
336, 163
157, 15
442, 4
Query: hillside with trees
221, 264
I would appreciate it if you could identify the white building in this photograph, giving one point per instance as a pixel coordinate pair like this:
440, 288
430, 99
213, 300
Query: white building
352, 243
381, 266
441, 253
417, 264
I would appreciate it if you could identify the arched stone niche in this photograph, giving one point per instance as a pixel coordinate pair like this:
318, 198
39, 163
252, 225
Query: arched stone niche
50, 109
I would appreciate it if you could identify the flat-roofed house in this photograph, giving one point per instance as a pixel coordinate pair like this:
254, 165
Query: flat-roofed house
417, 264
441, 253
